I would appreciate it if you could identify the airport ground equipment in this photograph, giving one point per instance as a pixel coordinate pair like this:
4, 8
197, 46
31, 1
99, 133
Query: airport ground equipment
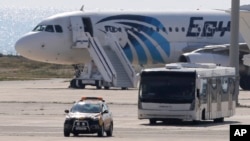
109, 66
187, 92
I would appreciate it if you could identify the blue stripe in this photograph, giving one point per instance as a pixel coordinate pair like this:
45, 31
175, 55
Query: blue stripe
142, 58
164, 44
128, 52
139, 18
152, 49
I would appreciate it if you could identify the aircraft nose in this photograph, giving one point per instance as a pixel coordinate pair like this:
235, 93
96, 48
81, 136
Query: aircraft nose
22, 45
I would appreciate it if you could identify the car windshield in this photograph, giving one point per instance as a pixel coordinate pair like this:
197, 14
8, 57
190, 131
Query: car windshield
86, 108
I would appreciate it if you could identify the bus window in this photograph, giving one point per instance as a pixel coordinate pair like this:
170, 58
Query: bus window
232, 85
214, 83
203, 87
224, 84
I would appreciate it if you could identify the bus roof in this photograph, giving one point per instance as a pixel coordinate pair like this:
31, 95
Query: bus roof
201, 70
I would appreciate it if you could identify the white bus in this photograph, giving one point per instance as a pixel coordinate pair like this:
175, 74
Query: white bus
187, 92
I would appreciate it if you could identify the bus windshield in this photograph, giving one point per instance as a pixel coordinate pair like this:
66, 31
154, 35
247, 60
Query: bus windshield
166, 87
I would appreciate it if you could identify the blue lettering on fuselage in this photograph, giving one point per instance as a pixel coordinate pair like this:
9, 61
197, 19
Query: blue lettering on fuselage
112, 29
200, 28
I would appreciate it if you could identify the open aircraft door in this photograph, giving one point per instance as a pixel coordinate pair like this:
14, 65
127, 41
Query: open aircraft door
79, 37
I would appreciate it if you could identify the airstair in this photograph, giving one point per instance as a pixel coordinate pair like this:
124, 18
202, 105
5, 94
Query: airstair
113, 67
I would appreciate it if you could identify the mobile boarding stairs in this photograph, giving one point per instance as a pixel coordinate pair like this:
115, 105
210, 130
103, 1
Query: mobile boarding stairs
109, 66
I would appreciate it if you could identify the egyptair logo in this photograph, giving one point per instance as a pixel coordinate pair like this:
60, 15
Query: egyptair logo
145, 36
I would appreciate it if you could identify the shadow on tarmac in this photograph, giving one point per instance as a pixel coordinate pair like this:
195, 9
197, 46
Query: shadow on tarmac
208, 123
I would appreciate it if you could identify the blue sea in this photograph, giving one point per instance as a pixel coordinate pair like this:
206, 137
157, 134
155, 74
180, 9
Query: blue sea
16, 21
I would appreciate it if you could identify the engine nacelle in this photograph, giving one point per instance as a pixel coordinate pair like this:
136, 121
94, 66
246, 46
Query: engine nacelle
221, 60
193, 57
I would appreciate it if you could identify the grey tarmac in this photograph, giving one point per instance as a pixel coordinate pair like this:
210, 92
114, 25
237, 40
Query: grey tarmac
34, 111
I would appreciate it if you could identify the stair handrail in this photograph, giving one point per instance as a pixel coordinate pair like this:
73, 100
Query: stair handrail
116, 47
103, 60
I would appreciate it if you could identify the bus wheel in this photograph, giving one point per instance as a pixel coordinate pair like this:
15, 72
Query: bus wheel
152, 121
106, 87
124, 88
217, 120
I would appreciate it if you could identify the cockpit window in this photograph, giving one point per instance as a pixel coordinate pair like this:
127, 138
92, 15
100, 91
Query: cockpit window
39, 28
58, 28
49, 28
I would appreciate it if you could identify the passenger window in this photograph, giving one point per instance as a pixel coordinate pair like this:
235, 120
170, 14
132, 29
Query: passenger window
49, 28
183, 29
164, 29
224, 84
157, 29
170, 29
58, 29
176, 29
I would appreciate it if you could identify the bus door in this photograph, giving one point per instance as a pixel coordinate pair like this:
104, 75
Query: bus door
203, 97
209, 99
231, 96
219, 99
212, 98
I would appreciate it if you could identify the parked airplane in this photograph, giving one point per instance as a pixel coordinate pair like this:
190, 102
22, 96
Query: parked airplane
245, 31
145, 37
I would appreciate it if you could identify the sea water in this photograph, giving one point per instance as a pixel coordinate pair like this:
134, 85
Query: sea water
16, 21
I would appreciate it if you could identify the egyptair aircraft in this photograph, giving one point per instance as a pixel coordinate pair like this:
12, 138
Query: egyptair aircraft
145, 37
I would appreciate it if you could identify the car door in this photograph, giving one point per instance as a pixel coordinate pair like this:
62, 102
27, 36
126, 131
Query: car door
106, 114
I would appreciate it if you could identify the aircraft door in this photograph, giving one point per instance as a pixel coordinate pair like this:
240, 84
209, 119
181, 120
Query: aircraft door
87, 25
80, 39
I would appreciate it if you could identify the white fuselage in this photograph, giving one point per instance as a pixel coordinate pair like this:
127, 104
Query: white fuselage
146, 37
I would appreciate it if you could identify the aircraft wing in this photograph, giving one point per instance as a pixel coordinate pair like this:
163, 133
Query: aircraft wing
218, 54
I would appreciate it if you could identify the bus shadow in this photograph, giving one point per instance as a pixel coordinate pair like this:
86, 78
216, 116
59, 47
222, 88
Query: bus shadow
208, 123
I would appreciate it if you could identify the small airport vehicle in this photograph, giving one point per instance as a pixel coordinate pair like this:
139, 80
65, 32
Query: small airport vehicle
187, 92
88, 116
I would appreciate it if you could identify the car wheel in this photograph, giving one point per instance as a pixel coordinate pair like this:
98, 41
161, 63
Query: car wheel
110, 131
66, 132
100, 133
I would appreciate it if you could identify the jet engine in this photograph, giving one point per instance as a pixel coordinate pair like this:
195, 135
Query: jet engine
219, 54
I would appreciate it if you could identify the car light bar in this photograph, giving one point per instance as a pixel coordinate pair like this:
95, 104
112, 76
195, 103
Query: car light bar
92, 98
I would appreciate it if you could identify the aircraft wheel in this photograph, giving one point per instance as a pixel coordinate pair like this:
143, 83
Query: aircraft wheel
81, 85
106, 87
73, 83
124, 88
